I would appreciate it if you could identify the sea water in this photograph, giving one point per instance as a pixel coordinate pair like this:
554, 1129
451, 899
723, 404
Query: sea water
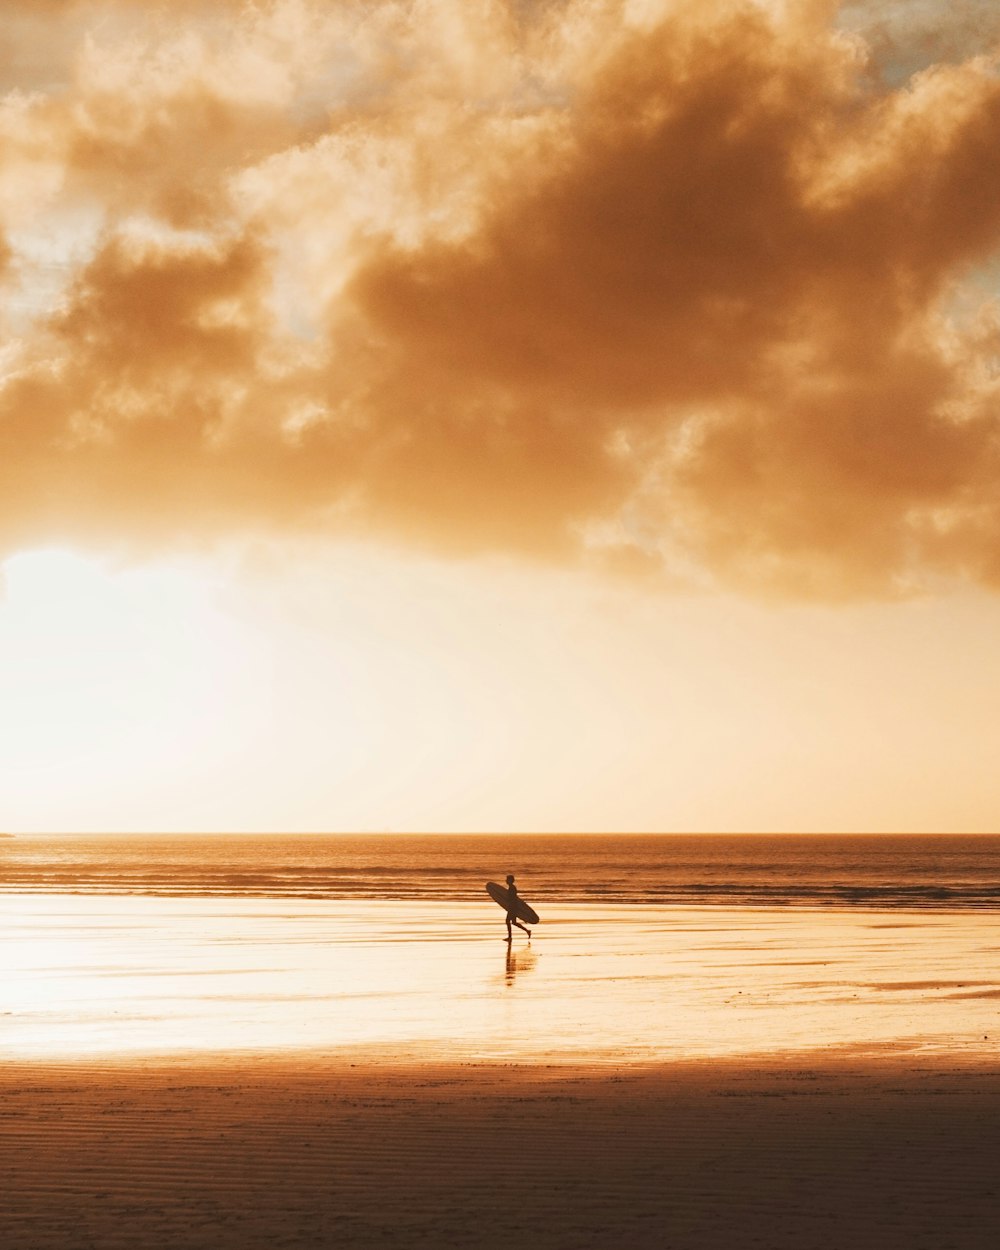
938, 872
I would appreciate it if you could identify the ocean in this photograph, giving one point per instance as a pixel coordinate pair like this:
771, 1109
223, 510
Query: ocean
943, 872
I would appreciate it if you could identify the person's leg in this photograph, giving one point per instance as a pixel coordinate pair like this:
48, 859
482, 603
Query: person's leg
510, 935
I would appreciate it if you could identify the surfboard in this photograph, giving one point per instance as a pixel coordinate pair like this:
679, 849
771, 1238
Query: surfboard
500, 894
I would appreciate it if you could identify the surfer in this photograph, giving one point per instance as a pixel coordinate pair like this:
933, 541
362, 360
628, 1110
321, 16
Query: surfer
511, 914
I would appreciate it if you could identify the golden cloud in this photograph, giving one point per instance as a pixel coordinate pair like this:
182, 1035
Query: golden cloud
682, 285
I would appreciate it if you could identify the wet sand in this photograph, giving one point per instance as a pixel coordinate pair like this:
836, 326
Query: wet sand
190, 1074
129, 975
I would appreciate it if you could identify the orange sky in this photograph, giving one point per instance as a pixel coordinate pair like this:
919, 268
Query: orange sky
482, 414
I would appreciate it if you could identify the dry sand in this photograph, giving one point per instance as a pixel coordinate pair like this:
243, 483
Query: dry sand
823, 1151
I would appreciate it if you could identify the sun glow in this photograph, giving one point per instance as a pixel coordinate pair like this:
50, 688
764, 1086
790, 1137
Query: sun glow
108, 679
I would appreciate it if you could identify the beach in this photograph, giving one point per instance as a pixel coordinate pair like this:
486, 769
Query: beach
316, 1153
311, 1152
198, 1073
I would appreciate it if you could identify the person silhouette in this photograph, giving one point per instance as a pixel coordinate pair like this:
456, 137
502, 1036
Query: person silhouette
511, 914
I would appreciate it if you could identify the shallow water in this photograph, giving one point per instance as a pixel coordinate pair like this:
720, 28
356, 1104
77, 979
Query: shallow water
111, 975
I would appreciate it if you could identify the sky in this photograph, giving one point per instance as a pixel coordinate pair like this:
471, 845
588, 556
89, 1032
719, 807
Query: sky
499, 414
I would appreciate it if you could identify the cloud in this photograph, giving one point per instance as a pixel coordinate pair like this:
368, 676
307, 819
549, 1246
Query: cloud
905, 36
671, 286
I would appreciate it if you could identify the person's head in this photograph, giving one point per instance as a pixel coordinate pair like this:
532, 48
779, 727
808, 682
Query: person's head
510, 878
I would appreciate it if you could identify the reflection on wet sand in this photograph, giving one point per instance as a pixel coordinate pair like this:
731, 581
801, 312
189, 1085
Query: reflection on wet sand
103, 975
518, 961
